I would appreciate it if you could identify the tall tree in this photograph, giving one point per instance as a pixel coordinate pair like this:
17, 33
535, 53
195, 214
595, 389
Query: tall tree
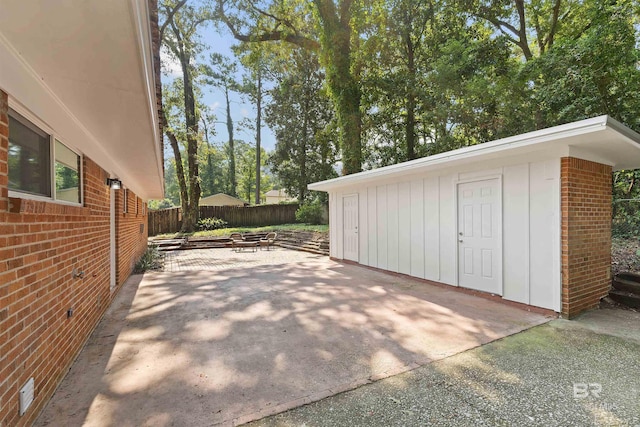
221, 73
303, 121
180, 37
246, 156
213, 174
253, 87
249, 22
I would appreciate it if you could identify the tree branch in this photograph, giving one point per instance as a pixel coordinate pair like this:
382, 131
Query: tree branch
554, 24
274, 35
170, 13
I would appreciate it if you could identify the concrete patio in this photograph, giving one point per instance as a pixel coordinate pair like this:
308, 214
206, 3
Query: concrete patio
226, 338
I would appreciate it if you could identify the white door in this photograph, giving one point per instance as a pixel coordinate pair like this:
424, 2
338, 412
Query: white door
479, 236
350, 227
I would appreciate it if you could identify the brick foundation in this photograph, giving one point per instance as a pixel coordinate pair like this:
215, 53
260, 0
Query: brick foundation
41, 243
586, 234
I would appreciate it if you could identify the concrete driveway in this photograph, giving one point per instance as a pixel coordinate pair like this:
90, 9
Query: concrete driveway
226, 338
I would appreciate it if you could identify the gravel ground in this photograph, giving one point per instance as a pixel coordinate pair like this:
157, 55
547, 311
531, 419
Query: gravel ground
559, 374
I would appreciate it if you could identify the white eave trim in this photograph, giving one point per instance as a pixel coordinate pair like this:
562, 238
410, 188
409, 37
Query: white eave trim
596, 124
142, 24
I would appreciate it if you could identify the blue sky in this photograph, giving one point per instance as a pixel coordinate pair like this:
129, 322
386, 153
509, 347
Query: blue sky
214, 97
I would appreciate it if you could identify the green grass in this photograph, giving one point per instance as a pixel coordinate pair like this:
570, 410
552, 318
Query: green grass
226, 231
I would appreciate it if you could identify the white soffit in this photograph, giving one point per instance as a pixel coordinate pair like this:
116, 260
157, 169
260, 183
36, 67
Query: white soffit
600, 139
85, 68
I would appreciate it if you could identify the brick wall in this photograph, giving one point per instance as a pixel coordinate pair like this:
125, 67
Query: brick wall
40, 245
131, 233
4, 146
586, 234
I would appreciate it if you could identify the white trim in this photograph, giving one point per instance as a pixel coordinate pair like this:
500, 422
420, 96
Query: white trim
34, 76
21, 81
140, 16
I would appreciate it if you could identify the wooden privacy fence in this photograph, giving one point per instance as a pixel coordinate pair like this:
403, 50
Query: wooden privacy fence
164, 221
252, 216
170, 220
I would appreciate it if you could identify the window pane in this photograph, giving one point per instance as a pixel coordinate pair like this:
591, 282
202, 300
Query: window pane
29, 157
67, 174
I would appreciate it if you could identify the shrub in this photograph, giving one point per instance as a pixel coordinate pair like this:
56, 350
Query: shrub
310, 213
206, 224
152, 259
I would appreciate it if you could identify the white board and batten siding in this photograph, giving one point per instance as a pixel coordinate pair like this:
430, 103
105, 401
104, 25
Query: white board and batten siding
410, 225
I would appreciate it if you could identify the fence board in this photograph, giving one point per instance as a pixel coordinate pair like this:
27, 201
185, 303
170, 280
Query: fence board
164, 221
170, 220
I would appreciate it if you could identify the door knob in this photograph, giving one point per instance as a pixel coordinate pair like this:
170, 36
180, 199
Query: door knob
460, 240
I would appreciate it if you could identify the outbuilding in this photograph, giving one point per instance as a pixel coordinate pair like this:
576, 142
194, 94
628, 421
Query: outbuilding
526, 218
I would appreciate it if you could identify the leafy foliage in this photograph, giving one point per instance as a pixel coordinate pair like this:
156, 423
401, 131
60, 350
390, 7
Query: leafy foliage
205, 224
310, 213
301, 116
155, 205
151, 259
368, 84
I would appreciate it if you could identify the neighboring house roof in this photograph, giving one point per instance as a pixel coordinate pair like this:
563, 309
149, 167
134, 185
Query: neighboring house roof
93, 67
221, 199
600, 139
277, 193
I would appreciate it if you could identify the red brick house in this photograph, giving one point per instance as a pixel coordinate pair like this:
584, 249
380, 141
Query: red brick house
78, 110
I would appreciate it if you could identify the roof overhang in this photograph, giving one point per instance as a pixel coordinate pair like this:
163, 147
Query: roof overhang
85, 68
601, 139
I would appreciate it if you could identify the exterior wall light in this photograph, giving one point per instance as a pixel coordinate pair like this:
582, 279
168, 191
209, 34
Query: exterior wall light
114, 183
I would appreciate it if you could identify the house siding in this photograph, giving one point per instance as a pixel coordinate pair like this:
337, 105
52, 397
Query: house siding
409, 226
41, 243
586, 234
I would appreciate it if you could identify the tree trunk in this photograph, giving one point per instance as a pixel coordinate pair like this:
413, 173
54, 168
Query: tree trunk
258, 134
190, 212
343, 85
232, 151
410, 105
302, 161
182, 183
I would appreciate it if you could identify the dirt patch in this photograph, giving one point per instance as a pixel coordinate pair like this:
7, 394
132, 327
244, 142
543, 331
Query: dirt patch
625, 255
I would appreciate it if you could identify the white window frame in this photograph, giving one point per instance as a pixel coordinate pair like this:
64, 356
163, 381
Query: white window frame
35, 121
125, 203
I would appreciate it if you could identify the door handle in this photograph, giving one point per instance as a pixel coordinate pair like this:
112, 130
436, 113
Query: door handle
460, 240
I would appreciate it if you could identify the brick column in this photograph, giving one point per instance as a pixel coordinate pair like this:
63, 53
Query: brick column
586, 234
4, 152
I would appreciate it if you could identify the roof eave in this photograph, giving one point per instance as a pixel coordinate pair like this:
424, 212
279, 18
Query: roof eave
548, 135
